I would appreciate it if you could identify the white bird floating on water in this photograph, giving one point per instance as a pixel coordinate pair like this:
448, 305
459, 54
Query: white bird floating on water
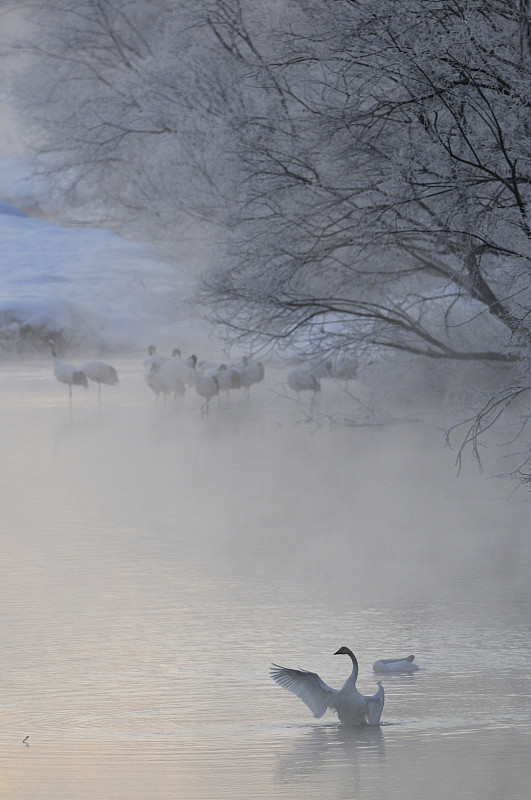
352, 707
100, 372
67, 373
389, 666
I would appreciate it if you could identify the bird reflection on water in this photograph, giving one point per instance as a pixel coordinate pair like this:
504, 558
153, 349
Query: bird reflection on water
351, 754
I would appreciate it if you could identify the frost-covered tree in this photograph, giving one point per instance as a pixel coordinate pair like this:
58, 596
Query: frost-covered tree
128, 107
387, 205
390, 190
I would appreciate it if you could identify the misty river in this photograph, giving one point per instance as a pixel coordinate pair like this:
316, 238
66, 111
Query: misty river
154, 563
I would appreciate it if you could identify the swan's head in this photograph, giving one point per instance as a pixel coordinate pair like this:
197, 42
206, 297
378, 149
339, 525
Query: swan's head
343, 651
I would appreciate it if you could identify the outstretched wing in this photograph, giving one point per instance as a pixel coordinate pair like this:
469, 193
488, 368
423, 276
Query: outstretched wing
306, 685
375, 706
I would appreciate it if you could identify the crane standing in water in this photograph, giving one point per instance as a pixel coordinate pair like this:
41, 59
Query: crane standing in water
206, 386
100, 372
67, 373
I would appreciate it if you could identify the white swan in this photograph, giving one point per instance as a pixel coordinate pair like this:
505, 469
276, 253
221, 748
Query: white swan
386, 666
352, 707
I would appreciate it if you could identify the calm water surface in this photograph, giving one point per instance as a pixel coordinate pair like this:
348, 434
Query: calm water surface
154, 563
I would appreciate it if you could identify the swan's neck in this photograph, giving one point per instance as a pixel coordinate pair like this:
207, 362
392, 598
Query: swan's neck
354, 674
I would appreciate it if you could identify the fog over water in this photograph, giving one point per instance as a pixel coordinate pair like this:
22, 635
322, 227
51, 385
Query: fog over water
155, 562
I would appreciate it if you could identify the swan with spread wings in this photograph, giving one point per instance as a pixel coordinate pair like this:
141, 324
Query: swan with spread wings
352, 707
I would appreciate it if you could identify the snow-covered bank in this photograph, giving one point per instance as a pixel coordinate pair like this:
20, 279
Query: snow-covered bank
88, 288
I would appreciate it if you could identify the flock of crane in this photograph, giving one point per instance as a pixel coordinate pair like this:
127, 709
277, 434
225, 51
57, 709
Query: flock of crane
170, 377
167, 376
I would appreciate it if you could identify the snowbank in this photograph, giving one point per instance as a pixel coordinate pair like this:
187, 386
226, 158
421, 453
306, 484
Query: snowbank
89, 289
